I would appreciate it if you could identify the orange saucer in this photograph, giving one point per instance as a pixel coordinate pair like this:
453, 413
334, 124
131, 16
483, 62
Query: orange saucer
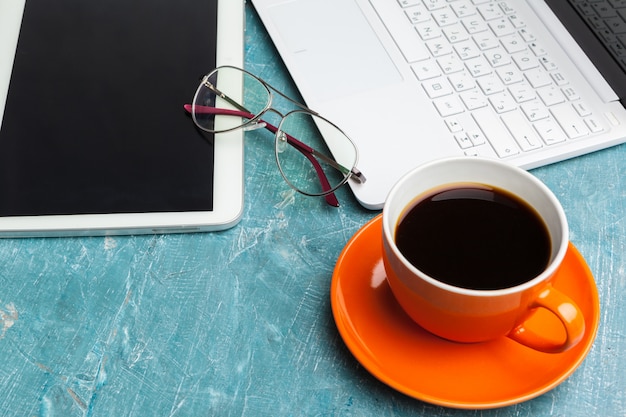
404, 356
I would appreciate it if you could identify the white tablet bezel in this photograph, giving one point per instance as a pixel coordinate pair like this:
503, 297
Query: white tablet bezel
228, 165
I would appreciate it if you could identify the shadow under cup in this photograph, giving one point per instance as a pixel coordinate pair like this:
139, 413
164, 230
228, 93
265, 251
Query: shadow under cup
474, 315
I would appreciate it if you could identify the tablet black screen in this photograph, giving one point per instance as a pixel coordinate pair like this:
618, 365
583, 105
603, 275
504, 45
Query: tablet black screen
94, 119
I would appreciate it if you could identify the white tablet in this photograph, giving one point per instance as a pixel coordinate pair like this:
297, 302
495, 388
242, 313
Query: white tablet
94, 139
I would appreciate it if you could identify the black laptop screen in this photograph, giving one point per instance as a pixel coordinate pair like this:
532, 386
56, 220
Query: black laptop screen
94, 119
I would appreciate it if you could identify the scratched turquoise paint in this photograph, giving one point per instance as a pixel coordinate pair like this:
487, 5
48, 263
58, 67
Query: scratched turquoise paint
238, 323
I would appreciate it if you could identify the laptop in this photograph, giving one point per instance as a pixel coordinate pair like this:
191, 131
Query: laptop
94, 139
410, 81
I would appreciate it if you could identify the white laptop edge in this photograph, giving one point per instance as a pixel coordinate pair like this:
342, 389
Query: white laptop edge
228, 186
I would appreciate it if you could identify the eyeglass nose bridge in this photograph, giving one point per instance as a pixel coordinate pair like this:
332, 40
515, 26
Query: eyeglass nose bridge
273, 110
258, 123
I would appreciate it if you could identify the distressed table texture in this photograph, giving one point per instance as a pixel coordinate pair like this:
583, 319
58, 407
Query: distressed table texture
238, 323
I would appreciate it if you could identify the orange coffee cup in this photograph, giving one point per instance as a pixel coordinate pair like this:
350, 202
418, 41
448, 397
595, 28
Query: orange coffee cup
470, 246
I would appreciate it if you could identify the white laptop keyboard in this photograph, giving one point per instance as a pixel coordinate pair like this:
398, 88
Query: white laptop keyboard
487, 74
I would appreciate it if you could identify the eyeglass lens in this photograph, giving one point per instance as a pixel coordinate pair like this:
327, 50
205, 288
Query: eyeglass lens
315, 132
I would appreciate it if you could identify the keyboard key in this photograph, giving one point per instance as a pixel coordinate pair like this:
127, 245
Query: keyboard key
462, 81
450, 64
617, 48
581, 108
426, 70
502, 27
453, 124
535, 110
570, 93
477, 137
558, 78
439, 47
506, 9
567, 117
472, 152
502, 102
548, 64
449, 106
463, 141
445, 17
467, 49
517, 22
594, 124
486, 41
417, 14
428, 30
604, 10
537, 49
496, 133
407, 3
523, 133
550, 131
455, 33
474, 100
463, 8
490, 84
597, 23
526, 35
537, 77
522, 92
478, 66
490, 12
586, 9
509, 74
525, 60
434, 4
513, 43
437, 87
497, 57
551, 95
474, 25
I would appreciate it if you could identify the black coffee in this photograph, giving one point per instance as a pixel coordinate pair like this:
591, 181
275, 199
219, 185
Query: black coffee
475, 236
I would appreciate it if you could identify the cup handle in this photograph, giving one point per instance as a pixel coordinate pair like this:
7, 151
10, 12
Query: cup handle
567, 312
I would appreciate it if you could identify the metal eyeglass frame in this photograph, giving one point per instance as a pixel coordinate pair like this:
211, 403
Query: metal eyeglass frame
255, 122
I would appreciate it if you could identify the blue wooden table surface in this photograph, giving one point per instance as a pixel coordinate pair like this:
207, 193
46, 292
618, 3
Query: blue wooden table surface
238, 323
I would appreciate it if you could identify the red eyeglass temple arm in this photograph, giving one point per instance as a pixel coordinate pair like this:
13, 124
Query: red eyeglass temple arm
305, 150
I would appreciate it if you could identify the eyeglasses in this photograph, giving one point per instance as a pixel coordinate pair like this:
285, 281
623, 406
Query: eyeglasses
304, 140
